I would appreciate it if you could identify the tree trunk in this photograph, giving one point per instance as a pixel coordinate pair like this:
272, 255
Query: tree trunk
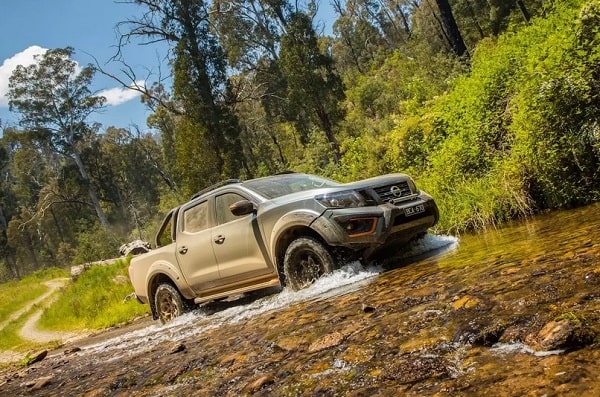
454, 36
524, 11
91, 190
475, 20
327, 127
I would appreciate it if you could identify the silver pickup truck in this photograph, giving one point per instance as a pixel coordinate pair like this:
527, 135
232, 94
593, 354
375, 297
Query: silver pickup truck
287, 229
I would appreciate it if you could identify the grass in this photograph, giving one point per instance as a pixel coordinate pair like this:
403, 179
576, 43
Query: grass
94, 301
14, 295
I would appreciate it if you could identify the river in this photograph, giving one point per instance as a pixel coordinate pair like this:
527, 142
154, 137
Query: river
507, 312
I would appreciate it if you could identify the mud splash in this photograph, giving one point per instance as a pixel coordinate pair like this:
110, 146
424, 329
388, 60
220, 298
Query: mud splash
509, 312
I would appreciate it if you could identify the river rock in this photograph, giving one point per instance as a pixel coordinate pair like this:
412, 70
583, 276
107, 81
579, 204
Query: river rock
177, 348
326, 342
39, 383
258, 383
466, 302
37, 358
553, 336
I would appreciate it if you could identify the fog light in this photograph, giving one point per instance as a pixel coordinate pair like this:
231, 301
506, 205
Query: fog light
360, 226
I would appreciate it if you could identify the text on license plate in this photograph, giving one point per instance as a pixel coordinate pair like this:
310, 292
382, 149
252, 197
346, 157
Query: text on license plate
417, 209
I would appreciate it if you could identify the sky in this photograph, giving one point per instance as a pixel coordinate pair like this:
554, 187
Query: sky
29, 27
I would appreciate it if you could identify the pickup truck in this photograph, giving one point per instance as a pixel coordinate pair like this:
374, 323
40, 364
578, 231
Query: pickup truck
282, 230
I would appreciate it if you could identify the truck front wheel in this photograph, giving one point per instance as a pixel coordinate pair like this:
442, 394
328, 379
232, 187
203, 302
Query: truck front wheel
305, 260
168, 302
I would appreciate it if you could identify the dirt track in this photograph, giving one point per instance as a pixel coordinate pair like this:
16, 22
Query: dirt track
30, 331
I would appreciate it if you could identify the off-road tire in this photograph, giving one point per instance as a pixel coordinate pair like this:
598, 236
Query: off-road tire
305, 260
169, 303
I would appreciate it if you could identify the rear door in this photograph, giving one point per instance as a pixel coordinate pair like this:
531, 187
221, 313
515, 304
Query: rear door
194, 246
237, 242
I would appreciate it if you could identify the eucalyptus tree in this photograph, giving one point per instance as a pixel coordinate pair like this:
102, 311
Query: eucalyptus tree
206, 135
54, 99
359, 42
314, 89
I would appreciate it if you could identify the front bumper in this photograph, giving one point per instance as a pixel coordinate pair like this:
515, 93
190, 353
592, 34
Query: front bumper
377, 227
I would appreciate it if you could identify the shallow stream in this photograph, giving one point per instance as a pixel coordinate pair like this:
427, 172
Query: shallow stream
513, 311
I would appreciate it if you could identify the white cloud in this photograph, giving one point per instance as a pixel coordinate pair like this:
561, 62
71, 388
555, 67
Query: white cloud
24, 58
118, 95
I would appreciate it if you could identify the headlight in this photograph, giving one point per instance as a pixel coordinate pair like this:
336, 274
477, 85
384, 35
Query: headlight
412, 186
347, 199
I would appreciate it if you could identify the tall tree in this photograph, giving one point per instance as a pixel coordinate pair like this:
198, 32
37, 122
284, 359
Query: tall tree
54, 99
207, 129
455, 38
314, 88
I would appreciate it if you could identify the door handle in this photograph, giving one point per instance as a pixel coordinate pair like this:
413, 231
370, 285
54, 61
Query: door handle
220, 239
183, 250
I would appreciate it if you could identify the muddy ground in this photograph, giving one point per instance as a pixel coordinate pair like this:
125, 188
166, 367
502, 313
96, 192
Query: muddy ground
519, 321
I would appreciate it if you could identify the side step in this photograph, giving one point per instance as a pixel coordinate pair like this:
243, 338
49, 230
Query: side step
270, 283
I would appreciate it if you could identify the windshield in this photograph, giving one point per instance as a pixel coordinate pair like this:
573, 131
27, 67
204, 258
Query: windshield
279, 185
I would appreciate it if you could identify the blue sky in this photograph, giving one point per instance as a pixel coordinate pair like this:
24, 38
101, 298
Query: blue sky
30, 26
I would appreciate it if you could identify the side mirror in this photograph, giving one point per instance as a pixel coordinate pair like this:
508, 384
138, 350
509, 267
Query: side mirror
242, 207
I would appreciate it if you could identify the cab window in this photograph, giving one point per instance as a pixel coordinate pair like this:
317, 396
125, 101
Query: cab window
195, 219
223, 202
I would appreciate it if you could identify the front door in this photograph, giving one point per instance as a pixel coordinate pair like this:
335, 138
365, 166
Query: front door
237, 242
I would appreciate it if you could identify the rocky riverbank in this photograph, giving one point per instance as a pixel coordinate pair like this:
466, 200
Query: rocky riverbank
504, 314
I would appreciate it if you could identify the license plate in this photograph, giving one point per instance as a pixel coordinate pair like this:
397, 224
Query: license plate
417, 209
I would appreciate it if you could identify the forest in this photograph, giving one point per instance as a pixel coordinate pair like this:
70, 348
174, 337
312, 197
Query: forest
493, 106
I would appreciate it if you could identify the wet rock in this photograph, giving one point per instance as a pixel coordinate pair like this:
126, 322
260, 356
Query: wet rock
230, 359
321, 392
37, 358
290, 343
135, 247
479, 333
259, 383
466, 302
177, 348
592, 278
72, 350
39, 383
326, 342
554, 335
367, 308
414, 368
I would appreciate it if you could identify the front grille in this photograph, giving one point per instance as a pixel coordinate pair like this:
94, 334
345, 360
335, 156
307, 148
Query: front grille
391, 193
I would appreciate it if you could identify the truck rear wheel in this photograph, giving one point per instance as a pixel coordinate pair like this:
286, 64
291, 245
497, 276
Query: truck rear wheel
169, 303
305, 260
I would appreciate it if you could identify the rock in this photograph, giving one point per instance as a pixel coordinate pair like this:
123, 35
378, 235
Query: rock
135, 247
326, 342
290, 343
257, 384
367, 308
466, 302
177, 348
230, 359
72, 350
36, 359
78, 269
553, 336
39, 383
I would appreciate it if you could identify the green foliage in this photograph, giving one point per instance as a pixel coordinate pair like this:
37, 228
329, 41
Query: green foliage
94, 245
95, 300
